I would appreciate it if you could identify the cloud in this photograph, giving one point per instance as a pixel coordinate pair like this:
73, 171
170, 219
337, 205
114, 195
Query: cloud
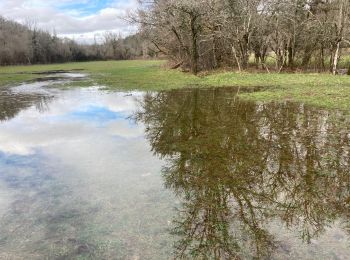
81, 20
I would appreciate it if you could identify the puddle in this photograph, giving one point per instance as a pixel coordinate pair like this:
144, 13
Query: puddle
195, 173
51, 72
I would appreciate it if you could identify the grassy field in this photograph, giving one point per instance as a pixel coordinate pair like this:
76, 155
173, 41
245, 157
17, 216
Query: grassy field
322, 90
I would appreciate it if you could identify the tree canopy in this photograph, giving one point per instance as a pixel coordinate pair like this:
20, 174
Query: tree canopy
26, 44
207, 34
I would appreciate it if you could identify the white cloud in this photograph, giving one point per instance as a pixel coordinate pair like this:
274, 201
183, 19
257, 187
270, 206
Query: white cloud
71, 22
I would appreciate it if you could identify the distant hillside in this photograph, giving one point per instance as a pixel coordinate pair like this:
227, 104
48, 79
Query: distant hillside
26, 44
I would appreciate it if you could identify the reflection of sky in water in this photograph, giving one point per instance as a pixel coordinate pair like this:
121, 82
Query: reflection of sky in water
70, 119
95, 114
86, 146
80, 179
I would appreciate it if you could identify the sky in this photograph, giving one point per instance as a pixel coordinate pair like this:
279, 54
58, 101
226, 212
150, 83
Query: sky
81, 20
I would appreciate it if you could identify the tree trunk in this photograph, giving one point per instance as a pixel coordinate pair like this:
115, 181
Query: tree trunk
244, 51
194, 51
322, 58
215, 60
258, 59
335, 59
290, 57
236, 58
307, 56
339, 40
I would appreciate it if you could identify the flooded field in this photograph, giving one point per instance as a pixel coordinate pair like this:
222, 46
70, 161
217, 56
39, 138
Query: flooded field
87, 173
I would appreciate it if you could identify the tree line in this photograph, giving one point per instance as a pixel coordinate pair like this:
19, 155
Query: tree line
26, 44
269, 34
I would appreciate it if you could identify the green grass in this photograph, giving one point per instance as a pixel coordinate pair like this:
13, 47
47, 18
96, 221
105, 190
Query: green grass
322, 90
124, 75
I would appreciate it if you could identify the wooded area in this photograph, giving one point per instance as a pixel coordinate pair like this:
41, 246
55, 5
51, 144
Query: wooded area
269, 34
26, 44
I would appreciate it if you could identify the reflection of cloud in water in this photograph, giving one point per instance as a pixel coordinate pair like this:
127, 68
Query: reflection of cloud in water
24, 140
79, 168
68, 121
5, 198
79, 178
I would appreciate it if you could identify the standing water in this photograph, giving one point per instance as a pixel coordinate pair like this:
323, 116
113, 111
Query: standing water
87, 173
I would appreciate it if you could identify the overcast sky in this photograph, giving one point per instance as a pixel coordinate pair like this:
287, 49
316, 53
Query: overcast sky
78, 19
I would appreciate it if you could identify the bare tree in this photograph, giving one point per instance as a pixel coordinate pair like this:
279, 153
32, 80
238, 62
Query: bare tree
206, 34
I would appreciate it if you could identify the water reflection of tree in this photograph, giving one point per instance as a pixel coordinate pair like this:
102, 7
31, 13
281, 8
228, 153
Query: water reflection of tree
237, 165
11, 104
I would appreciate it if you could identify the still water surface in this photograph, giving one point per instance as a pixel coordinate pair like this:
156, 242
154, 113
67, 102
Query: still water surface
93, 174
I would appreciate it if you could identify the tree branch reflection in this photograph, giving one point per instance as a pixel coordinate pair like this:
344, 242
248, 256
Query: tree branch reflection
237, 166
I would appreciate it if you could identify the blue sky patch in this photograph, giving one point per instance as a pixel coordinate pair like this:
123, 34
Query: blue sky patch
84, 8
96, 114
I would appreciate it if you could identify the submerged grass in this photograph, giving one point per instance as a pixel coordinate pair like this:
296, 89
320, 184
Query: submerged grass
323, 90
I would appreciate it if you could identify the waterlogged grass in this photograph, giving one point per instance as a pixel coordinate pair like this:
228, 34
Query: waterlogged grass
323, 90
124, 75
